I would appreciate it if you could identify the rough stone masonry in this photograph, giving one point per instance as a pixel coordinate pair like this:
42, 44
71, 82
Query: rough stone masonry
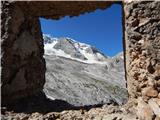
23, 65
142, 52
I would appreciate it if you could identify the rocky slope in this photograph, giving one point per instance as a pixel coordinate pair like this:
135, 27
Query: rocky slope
81, 75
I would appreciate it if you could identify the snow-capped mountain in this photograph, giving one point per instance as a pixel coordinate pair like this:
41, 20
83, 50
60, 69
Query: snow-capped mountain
69, 48
82, 75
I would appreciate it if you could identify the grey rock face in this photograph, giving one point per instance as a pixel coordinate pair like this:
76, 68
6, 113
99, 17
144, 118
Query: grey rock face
81, 83
68, 47
47, 39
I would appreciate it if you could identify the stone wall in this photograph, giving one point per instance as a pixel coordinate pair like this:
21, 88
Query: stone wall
22, 62
142, 41
23, 65
59, 9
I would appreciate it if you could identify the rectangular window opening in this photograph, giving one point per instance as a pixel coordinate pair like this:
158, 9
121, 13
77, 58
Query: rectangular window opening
84, 58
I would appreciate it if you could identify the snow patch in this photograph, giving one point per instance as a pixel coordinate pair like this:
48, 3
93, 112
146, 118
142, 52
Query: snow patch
50, 97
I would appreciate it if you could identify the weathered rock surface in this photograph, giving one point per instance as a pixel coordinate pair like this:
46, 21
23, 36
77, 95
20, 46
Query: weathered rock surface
153, 103
110, 112
23, 65
144, 111
142, 40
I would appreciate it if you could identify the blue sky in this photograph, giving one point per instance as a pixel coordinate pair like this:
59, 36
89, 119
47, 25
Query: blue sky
102, 29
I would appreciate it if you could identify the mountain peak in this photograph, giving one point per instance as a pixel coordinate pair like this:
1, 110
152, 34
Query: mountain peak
48, 39
72, 49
